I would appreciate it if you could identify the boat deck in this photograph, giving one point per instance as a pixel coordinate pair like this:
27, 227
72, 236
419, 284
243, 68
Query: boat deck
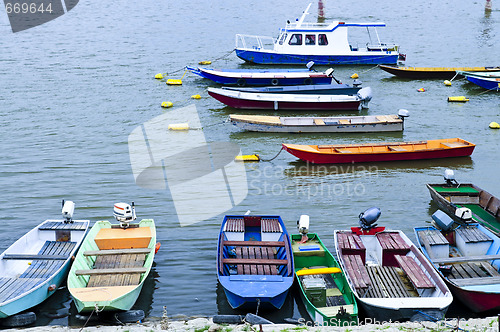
49, 259
388, 282
474, 273
124, 262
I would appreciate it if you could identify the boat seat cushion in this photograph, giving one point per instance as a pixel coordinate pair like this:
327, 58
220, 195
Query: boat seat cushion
118, 238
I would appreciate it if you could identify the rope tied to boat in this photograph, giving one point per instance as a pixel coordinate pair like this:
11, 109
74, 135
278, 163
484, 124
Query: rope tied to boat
267, 160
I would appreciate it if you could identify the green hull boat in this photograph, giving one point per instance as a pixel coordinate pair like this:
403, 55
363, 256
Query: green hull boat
110, 268
324, 290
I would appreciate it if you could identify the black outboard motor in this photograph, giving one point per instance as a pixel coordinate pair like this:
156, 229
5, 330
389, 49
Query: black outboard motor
449, 177
368, 218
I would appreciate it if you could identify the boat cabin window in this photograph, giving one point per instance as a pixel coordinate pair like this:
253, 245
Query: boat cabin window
282, 38
322, 40
310, 39
296, 39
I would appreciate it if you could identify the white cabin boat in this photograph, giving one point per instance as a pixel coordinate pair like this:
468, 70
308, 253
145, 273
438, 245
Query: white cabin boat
323, 43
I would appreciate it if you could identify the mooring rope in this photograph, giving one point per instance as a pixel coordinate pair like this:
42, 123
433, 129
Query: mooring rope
267, 160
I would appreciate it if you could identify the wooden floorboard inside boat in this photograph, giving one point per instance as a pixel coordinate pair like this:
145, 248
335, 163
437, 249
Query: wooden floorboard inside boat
473, 270
117, 262
387, 282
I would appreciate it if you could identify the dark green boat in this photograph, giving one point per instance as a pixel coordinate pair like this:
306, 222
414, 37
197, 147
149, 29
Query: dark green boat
324, 289
484, 206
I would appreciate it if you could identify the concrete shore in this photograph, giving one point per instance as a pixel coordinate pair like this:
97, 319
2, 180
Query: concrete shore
488, 324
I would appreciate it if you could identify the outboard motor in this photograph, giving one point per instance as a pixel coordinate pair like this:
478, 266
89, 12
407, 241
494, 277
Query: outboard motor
449, 177
368, 218
303, 227
464, 214
68, 208
124, 213
402, 113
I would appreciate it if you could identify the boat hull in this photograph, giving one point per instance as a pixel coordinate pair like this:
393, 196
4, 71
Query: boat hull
317, 158
314, 89
273, 58
430, 72
350, 128
490, 84
476, 301
252, 104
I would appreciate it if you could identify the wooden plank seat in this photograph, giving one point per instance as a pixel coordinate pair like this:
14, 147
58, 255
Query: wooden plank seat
344, 121
35, 257
234, 225
396, 148
111, 271
270, 226
386, 283
432, 237
255, 243
414, 272
117, 252
319, 122
57, 225
42, 268
255, 261
392, 244
351, 244
472, 235
357, 270
454, 144
465, 259
108, 270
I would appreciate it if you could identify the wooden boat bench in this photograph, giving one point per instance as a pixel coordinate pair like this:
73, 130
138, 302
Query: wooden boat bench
344, 121
351, 244
414, 272
392, 244
396, 148
436, 245
358, 272
319, 122
257, 257
470, 235
234, 225
490, 203
57, 225
454, 144
270, 226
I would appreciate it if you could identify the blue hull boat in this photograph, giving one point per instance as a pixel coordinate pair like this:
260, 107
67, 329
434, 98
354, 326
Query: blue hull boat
262, 77
323, 43
318, 89
487, 83
254, 261
273, 58
36, 265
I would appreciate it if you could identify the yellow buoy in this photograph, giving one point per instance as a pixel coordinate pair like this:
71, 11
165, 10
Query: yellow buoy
178, 126
354, 75
159, 76
447, 83
172, 81
167, 104
196, 96
494, 125
461, 99
205, 62
324, 270
251, 157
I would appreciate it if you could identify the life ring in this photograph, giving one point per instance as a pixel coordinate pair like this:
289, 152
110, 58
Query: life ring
308, 81
275, 81
241, 82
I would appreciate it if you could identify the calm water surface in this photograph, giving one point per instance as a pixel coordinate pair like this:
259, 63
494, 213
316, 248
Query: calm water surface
72, 90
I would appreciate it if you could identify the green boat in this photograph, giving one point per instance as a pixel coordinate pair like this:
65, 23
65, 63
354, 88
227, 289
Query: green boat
484, 206
324, 290
114, 260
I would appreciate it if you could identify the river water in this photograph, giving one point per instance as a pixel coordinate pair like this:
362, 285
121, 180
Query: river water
74, 89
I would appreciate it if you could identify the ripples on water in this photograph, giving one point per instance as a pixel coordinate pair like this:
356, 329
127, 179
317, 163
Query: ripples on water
74, 88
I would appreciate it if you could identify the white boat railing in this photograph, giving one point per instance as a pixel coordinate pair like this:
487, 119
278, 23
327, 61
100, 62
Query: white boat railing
254, 42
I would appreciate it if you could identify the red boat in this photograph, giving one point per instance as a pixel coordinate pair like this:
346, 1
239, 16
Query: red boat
375, 152
282, 101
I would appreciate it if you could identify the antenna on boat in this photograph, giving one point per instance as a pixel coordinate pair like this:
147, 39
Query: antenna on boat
368, 218
303, 227
449, 177
68, 207
301, 19
124, 213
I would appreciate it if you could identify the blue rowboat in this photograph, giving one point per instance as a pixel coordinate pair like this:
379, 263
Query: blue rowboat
262, 77
467, 258
254, 261
318, 89
34, 266
323, 43
490, 83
